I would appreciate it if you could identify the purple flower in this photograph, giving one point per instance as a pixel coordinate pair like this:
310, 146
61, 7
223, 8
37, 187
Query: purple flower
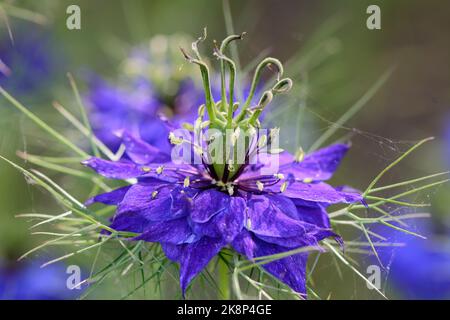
28, 281
216, 195
115, 108
26, 62
421, 268
257, 215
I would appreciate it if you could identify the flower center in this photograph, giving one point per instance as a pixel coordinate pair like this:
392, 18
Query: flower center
232, 127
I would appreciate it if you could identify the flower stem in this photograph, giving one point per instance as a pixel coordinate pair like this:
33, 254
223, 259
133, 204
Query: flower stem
223, 279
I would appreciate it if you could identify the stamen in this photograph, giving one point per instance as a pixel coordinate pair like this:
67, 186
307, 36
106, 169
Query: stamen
307, 180
262, 142
230, 189
205, 124
186, 182
146, 169
275, 151
283, 187
279, 176
260, 185
154, 194
188, 126
299, 155
201, 111
160, 169
249, 223
174, 139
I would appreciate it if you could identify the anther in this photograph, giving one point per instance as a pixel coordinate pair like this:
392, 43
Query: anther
279, 176
283, 187
299, 155
260, 185
160, 169
186, 182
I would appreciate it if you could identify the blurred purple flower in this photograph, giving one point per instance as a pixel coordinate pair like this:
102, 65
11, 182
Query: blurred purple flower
421, 268
140, 110
25, 63
28, 281
193, 216
115, 108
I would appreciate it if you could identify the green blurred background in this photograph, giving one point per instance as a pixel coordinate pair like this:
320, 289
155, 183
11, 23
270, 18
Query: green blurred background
334, 59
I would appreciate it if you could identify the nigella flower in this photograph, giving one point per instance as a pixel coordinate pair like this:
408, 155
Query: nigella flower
420, 269
26, 61
198, 204
28, 281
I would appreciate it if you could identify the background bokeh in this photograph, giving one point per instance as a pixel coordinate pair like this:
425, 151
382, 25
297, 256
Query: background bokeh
332, 56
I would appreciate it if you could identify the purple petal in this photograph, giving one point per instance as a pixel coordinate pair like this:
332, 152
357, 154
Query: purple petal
266, 162
209, 203
316, 215
116, 108
319, 165
316, 222
171, 172
155, 131
125, 169
276, 219
112, 198
174, 232
316, 192
141, 152
193, 257
140, 207
114, 169
226, 224
157, 202
290, 270
172, 251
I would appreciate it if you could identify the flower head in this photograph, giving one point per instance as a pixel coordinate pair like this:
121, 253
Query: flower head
25, 62
226, 192
420, 268
31, 282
